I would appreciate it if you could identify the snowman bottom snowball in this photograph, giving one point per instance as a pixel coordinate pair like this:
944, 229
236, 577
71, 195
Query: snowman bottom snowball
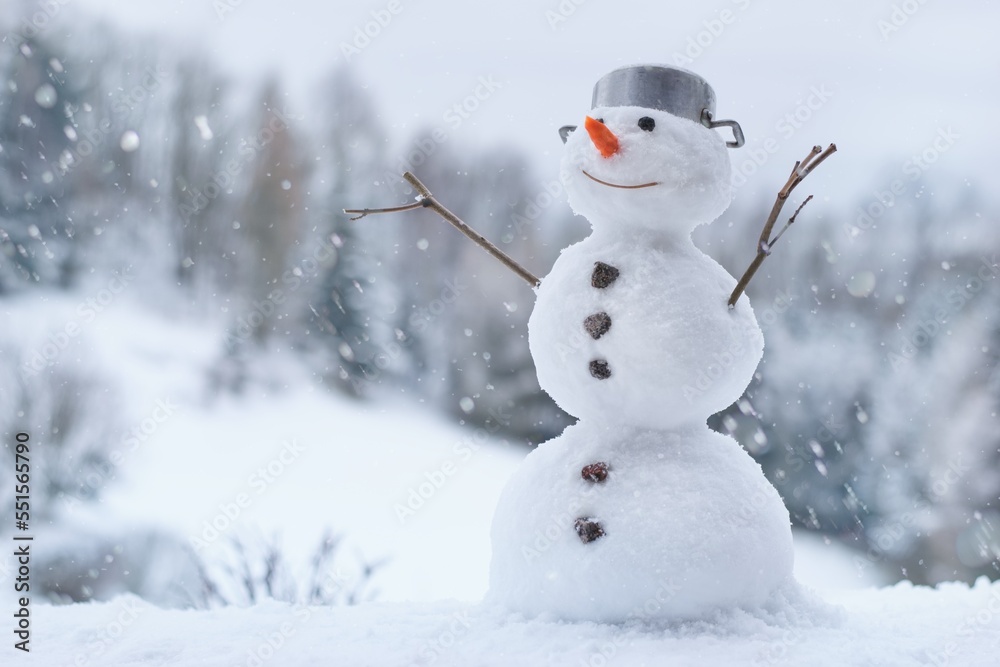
610, 524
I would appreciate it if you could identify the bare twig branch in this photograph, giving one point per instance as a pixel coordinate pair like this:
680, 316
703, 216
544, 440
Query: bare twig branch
415, 182
362, 212
791, 221
427, 200
801, 169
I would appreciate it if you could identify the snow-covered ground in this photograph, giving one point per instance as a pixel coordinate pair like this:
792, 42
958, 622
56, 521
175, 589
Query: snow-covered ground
902, 625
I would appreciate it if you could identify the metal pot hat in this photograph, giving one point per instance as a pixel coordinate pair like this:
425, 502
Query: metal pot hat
672, 89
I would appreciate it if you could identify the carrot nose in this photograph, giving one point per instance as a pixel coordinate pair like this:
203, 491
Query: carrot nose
603, 138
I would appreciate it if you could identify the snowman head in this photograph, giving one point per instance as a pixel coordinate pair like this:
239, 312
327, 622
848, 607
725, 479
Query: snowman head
646, 158
630, 168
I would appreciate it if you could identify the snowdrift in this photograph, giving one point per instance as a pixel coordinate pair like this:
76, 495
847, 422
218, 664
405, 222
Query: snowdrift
903, 625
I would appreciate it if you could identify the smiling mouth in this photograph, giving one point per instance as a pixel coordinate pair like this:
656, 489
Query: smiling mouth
612, 185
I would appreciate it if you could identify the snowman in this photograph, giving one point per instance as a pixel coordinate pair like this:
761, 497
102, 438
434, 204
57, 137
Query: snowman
639, 509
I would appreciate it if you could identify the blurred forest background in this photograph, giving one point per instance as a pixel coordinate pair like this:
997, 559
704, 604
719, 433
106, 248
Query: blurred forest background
874, 412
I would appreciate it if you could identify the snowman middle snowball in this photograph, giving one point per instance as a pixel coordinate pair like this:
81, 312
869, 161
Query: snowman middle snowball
673, 353
640, 509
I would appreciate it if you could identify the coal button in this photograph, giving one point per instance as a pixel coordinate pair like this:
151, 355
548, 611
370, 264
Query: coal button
600, 369
589, 530
603, 275
597, 324
595, 472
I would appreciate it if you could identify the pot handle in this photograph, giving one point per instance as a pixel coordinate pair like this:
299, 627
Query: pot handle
564, 132
708, 121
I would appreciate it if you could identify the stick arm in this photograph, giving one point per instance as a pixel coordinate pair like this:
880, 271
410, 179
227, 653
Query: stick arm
427, 200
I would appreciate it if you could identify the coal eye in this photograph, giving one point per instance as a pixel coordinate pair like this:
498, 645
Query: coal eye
647, 123
600, 120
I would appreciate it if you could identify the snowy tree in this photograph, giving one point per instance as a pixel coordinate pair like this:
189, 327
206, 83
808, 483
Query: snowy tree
352, 304
273, 193
36, 105
200, 140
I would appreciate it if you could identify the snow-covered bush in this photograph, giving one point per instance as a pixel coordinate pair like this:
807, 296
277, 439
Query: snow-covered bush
248, 570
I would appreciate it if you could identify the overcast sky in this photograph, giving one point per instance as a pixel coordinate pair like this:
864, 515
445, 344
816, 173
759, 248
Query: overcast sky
885, 79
